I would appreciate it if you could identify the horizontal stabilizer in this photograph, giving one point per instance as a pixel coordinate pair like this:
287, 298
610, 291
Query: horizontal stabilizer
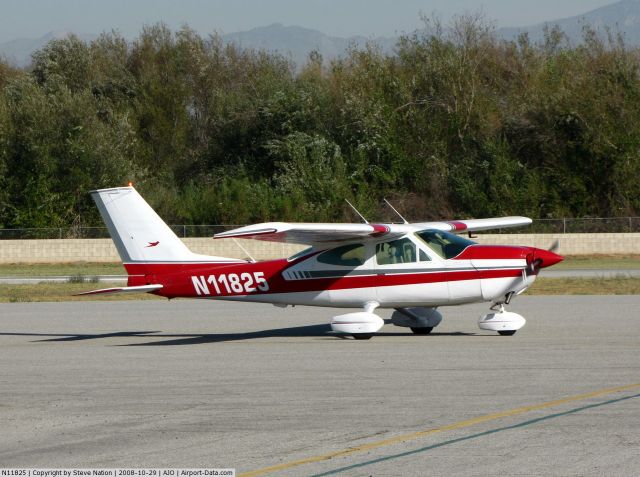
108, 291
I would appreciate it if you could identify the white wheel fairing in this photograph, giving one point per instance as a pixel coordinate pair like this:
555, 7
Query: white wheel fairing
501, 321
354, 323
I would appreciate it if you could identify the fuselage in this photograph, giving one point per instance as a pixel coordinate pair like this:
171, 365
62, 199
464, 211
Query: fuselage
420, 269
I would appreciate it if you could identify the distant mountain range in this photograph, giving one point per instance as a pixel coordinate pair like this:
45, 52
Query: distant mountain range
622, 17
292, 41
18, 52
297, 42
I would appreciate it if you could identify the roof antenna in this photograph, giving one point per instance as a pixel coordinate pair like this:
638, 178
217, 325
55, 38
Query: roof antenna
394, 209
356, 210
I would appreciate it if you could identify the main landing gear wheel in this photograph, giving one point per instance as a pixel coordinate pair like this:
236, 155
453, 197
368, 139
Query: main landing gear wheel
361, 325
507, 332
362, 336
422, 331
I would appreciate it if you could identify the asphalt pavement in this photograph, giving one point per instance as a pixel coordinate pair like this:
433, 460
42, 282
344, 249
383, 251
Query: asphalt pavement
259, 388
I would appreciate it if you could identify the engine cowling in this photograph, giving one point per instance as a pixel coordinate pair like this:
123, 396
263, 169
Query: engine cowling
357, 323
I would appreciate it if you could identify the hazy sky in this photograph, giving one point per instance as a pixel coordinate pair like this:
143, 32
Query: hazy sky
34, 18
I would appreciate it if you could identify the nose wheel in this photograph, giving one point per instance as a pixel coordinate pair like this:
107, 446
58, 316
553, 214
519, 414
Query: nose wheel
506, 323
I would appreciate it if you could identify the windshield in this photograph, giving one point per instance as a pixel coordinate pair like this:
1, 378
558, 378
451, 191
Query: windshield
443, 243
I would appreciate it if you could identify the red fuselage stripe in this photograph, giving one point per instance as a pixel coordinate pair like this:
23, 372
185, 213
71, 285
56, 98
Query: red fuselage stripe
177, 279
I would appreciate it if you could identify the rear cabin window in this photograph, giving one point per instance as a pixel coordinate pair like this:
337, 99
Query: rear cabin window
396, 251
351, 255
443, 243
301, 253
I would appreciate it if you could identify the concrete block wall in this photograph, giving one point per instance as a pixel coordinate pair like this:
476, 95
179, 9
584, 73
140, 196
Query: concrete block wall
258, 249
571, 244
103, 250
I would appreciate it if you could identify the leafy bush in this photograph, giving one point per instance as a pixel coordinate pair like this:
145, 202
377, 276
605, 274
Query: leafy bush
455, 123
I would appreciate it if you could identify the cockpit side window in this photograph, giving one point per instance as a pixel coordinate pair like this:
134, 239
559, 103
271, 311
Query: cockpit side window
443, 243
301, 253
351, 255
396, 251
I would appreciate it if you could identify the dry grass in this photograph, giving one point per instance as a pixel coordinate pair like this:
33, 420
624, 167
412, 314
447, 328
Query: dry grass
84, 271
616, 262
48, 292
57, 269
64, 292
585, 286
89, 269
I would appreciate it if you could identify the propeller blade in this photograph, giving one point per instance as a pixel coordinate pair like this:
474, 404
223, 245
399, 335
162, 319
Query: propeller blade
554, 246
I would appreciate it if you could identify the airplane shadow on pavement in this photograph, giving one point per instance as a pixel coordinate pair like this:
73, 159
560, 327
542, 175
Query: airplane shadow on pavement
322, 331
80, 337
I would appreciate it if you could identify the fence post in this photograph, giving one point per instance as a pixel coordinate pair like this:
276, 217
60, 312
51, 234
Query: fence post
564, 225
630, 225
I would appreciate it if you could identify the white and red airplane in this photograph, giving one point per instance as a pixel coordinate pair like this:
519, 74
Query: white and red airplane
411, 268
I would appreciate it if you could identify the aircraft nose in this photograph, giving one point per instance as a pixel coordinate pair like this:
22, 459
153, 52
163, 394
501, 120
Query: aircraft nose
546, 258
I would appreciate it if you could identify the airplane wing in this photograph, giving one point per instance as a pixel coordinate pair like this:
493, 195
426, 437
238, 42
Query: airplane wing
475, 225
312, 234
322, 234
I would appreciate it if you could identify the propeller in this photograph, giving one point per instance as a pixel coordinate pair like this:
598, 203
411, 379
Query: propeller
533, 264
539, 258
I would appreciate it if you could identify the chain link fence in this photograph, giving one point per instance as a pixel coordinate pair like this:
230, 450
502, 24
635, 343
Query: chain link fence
102, 232
587, 225
549, 226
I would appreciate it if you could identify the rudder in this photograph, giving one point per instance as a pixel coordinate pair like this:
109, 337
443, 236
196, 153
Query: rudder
138, 232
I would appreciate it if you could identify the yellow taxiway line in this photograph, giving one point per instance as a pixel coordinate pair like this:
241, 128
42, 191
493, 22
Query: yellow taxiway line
427, 432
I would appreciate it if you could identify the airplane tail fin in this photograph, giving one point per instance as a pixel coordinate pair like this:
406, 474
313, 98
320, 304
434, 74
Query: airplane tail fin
139, 234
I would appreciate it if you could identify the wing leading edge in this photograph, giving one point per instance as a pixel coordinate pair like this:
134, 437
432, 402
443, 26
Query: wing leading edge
475, 225
311, 234
326, 233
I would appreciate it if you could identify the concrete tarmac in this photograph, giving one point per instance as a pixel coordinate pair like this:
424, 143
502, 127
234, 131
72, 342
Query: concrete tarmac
214, 384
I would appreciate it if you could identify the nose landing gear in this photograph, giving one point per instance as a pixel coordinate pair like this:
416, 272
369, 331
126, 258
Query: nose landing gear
506, 323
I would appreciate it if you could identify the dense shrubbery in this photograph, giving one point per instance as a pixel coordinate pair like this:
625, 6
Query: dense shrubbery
456, 123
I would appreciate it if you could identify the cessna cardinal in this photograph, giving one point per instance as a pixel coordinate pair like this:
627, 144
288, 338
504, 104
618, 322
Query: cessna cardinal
411, 268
